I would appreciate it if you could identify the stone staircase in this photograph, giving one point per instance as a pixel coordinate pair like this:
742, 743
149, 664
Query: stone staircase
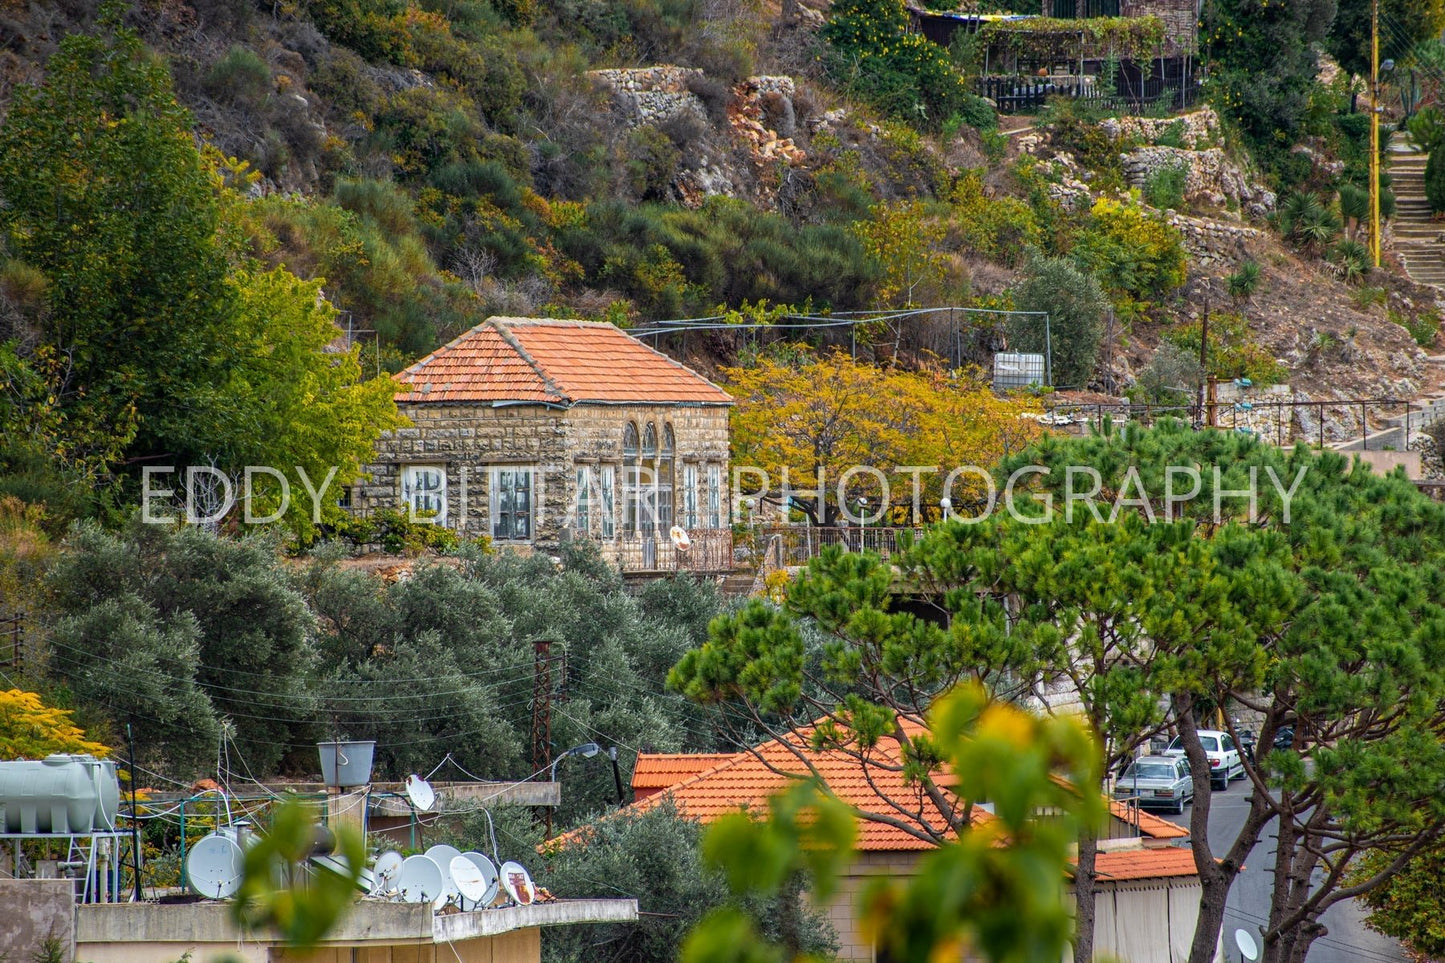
1418, 240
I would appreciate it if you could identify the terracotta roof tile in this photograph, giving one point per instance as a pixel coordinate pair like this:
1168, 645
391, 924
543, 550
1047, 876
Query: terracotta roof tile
1150, 825
747, 779
552, 362
1145, 864
660, 770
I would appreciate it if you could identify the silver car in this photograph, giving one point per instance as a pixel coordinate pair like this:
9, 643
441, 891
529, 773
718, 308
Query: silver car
1159, 782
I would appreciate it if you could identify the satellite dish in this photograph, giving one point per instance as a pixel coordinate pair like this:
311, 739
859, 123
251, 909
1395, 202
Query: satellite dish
489, 873
1247, 946
468, 879
340, 866
386, 874
213, 867
518, 883
420, 880
443, 855
420, 792
679, 536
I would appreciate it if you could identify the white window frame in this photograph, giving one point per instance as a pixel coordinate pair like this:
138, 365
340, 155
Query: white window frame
424, 489
582, 521
609, 501
714, 496
689, 496
494, 497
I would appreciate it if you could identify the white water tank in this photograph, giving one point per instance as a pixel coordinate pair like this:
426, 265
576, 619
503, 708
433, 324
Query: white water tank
61, 794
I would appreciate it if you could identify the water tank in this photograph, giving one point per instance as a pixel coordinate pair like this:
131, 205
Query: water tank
61, 794
346, 764
1015, 370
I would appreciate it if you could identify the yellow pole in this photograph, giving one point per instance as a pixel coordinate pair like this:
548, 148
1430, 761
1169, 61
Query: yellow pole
1375, 131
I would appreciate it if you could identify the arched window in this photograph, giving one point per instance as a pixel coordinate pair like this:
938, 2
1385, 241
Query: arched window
662, 489
649, 442
631, 479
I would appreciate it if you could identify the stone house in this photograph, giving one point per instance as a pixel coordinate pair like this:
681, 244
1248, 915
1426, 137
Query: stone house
533, 432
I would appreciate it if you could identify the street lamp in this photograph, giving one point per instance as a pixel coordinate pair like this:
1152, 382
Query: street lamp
587, 749
945, 505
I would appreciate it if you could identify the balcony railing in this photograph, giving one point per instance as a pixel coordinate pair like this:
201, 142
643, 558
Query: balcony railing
709, 550
796, 543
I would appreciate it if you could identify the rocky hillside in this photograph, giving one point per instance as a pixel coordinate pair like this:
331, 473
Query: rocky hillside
438, 162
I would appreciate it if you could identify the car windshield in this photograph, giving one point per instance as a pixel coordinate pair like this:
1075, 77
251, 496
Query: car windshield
1150, 770
1209, 743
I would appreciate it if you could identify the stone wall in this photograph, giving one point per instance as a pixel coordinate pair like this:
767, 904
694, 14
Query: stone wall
653, 95
1214, 243
1210, 177
1178, 17
468, 440
1195, 130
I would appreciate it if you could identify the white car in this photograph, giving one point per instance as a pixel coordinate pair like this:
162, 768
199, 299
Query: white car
1224, 761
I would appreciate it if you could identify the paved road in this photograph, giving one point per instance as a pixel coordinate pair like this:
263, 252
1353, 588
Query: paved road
1348, 940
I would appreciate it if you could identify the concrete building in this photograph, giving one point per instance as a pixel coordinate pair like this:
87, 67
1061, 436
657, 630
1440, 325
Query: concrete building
532, 432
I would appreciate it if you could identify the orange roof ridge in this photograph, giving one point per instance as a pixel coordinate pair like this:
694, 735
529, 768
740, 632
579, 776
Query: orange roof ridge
553, 361
521, 349
1132, 864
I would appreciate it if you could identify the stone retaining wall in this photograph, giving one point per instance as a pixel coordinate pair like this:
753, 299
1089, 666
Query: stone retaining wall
653, 95
1214, 242
1210, 177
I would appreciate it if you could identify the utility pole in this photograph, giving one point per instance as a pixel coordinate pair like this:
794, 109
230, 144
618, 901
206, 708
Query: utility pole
1204, 365
542, 714
1375, 132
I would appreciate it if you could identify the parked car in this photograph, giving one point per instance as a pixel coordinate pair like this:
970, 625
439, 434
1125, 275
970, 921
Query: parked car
1284, 737
1224, 761
1158, 782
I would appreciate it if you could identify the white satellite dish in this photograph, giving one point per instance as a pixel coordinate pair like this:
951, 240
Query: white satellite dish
679, 537
443, 855
1246, 945
421, 880
386, 874
213, 867
420, 792
468, 879
489, 873
519, 884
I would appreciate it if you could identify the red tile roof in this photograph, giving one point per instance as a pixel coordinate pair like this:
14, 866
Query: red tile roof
1130, 864
746, 780
553, 362
1149, 824
656, 771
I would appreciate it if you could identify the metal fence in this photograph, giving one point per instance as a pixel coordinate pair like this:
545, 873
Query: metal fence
1025, 95
709, 550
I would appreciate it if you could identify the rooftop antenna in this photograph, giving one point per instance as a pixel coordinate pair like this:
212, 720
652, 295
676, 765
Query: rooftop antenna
1249, 950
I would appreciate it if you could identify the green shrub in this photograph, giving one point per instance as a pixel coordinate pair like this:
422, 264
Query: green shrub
1135, 253
1075, 305
998, 228
1424, 327
1427, 129
1164, 188
1435, 179
901, 73
1170, 378
978, 112
1354, 260
1245, 281
1307, 221
1233, 352
239, 77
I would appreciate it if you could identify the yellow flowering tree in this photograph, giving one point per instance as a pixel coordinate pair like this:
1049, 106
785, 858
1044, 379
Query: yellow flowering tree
816, 418
29, 729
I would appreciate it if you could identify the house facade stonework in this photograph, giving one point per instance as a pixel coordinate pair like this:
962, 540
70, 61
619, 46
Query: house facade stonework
535, 432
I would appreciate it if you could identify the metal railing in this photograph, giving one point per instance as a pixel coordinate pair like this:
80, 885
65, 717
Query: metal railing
1023, 94
795, 544
709, 550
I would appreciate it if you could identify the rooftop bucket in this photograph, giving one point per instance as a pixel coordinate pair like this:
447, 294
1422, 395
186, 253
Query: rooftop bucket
346, 764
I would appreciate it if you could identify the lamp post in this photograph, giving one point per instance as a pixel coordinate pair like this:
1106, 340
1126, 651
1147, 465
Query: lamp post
945, 506
862, 523
587, 749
